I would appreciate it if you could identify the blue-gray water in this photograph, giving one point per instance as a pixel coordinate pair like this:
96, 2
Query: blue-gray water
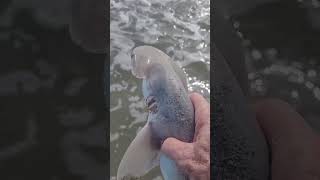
179, 28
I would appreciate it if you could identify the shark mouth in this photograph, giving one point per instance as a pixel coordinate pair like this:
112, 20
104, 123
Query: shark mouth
151, 104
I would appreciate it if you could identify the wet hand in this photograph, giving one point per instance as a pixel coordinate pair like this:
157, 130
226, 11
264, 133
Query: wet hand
193, 158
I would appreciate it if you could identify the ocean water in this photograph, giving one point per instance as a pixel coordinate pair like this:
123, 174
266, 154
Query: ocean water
179, 28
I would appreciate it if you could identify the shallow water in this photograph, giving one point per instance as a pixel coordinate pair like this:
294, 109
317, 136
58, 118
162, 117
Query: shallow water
179, 28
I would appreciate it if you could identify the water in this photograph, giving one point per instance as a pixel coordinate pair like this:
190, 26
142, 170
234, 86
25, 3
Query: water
179, 28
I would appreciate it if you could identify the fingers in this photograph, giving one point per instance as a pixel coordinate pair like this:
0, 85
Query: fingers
200, 103
177, 149
202, 113
193, 158
188, 156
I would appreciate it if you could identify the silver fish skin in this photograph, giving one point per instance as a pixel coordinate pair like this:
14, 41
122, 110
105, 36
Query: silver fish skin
171, 112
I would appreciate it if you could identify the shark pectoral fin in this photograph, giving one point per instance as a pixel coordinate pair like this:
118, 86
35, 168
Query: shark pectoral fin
140, 156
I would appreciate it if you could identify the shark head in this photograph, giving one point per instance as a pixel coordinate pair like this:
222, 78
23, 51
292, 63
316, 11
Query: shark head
171, 113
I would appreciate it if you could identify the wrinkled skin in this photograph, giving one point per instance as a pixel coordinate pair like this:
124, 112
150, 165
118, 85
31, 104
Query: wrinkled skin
193, 158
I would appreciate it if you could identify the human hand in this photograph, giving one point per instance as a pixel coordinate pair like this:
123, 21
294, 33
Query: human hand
295, 147
193, 158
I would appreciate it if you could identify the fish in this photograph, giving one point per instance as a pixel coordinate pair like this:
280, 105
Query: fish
171, 114
239, 148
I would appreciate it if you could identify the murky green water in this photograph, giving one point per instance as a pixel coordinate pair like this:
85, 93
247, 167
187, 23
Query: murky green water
179, 28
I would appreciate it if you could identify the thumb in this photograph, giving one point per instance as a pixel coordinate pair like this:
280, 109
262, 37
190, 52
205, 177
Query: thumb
176, 149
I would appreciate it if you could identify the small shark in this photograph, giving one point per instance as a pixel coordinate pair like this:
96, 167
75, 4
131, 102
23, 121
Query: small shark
171, 114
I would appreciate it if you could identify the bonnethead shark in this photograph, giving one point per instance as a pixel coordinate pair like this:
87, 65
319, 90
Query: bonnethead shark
171, 114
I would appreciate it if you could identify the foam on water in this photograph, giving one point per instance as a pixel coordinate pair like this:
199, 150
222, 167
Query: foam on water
145, 22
